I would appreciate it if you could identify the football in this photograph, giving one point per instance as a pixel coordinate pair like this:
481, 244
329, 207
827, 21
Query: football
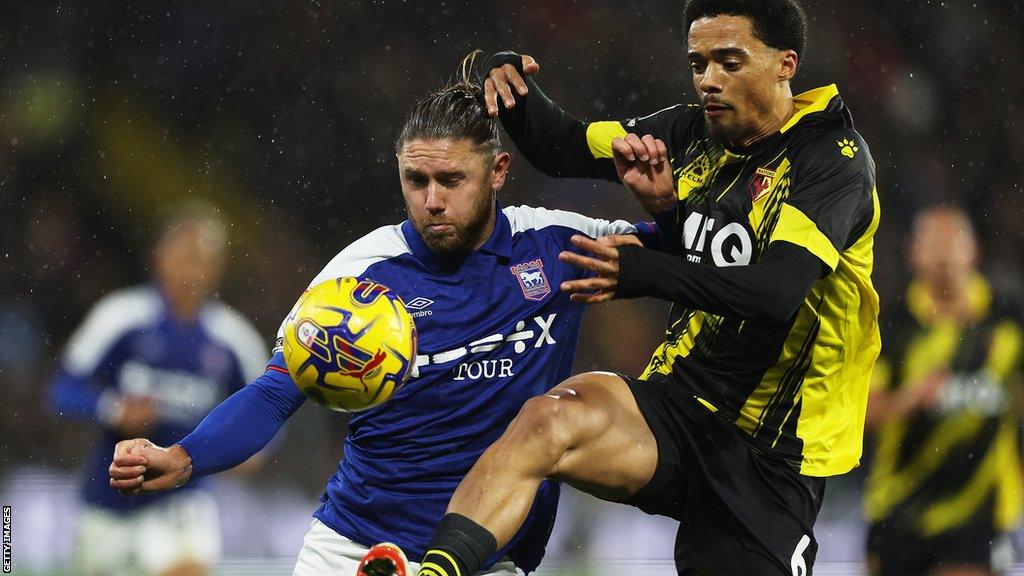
349, 344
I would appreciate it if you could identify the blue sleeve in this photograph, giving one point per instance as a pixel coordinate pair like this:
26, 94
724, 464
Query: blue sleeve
78, 391
74, 396
244, 423
658, 235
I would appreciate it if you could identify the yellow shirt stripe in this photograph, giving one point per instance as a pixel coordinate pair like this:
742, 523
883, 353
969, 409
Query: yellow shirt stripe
795, 227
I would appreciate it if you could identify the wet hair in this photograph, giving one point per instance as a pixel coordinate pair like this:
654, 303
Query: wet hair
455, 112
781, 24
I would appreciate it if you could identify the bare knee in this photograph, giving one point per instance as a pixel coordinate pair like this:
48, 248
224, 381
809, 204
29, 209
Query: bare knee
550, 428
534, 442
543, 428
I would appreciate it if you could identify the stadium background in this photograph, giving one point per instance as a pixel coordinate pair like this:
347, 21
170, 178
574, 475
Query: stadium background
283, 113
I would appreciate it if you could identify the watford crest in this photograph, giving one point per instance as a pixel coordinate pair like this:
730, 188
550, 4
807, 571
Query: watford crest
761, 183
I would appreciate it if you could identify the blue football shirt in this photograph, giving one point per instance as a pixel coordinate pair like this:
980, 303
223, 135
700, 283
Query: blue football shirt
131, 344
494, 331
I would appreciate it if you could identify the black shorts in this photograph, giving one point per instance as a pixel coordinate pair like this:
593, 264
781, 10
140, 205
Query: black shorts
742, 511
894, 552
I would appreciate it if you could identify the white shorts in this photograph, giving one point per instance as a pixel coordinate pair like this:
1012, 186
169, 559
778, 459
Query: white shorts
182, 528
327, 553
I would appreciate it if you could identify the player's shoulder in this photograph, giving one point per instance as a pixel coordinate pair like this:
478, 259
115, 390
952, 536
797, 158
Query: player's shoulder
675, 113
114, 317
824, 132
834, 138
127, 307
386, 241
522, 218
226, 322
830, 151
380, 245
234, 331
526, 218
677, 124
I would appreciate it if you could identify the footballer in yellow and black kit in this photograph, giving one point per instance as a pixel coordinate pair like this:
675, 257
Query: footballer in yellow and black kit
946, 481
751, 404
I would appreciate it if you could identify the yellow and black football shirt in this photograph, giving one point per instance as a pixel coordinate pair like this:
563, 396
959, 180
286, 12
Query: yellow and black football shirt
798, 385
956, 465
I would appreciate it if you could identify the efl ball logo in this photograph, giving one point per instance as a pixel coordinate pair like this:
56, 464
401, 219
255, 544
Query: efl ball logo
307, 333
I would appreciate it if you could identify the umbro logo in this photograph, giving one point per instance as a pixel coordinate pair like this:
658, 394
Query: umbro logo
418, 303
416, 307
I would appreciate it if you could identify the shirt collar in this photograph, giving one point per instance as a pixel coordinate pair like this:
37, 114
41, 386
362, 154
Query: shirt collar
499, 243
806, 103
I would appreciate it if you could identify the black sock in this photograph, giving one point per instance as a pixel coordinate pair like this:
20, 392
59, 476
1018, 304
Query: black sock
459, 548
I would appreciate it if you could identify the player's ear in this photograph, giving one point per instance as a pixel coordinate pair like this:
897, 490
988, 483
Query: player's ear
789, 60
499, 169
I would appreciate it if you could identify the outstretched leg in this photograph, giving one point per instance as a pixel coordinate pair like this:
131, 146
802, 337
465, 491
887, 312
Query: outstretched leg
587, 432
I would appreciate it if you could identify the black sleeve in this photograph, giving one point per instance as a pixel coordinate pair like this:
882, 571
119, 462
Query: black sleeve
551, 139
772, 289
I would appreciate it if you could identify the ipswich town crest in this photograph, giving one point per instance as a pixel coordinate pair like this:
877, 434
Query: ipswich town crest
532, 279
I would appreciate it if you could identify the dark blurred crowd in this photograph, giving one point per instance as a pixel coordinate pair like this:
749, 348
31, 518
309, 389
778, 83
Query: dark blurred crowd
282, 114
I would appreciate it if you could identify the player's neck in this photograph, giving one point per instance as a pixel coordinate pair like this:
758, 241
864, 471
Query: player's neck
774, 120
952, 301
184, 309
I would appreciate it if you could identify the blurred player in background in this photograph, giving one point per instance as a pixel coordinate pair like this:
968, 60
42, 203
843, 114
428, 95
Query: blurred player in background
153, 360
494, 330
759, 390
945, 481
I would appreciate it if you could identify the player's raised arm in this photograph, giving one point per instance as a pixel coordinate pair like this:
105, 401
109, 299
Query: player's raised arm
554, 141
830, 210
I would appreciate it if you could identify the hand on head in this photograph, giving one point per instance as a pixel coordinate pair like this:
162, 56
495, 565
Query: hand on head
502, 79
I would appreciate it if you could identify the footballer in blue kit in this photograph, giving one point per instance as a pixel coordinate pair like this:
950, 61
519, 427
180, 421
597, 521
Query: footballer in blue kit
154, 359
482, 283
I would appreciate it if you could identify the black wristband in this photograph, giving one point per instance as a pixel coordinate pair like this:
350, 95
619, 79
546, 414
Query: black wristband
631, 272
